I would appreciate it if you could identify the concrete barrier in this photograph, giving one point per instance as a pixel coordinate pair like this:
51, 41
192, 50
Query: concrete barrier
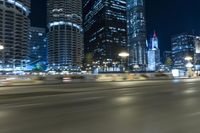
56, 79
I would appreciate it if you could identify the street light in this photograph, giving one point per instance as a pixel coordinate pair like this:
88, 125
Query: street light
1, 47
189, 66
123, 55
188, 58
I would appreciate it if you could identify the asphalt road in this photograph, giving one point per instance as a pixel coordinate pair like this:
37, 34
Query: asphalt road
117, 107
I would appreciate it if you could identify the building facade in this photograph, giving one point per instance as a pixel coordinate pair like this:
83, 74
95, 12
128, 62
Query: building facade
65, 37
105, 29
38, 48
14, 37
183, 45
137, 33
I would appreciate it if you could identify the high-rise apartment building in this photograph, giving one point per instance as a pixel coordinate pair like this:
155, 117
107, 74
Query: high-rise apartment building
38, 47
14, 37
65, 38
137, 33
105, 29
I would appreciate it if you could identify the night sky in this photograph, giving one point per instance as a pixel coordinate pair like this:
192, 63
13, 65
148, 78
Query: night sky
167, 17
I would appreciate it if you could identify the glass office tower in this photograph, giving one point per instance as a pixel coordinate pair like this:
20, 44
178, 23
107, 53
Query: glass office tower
183, 45
105, 29
137, 34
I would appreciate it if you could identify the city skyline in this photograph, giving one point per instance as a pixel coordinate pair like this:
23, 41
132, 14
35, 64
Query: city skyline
95, 66
168, 18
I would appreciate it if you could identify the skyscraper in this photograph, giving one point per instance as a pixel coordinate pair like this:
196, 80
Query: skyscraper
38, 47
153, 54
65, 38
182, 45
154, 42
136, 33
14, 26
105, 29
